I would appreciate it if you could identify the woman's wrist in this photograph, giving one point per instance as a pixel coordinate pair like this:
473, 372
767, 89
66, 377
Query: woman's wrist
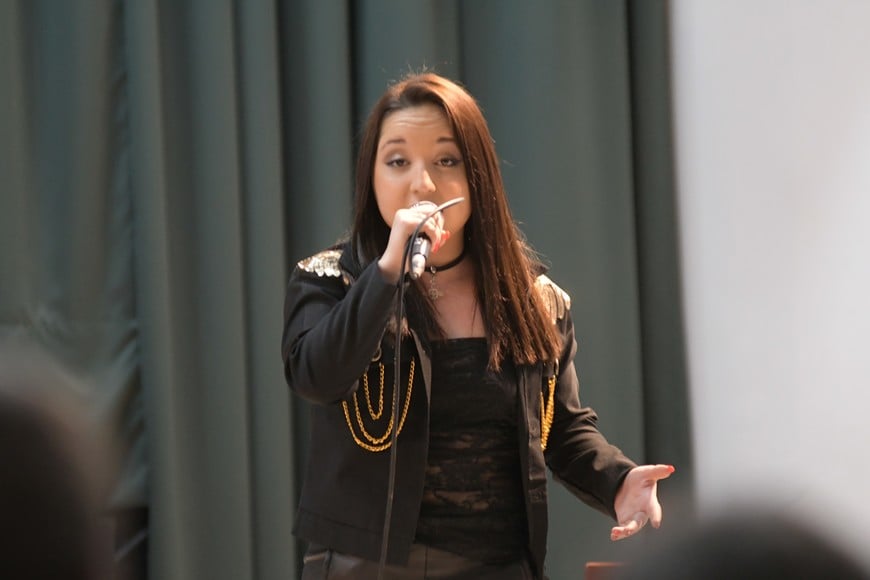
389, 268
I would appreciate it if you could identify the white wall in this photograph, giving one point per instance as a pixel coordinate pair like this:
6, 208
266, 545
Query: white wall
772, 123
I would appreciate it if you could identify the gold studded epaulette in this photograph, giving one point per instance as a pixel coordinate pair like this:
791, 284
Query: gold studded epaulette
324, 264
556, 300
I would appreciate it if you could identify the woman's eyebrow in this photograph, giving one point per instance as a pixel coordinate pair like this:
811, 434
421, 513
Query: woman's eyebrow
392, 141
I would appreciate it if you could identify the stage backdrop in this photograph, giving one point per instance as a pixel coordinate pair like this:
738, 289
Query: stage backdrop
163, 165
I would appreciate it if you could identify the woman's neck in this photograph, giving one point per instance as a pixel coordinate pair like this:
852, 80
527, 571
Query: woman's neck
454, 296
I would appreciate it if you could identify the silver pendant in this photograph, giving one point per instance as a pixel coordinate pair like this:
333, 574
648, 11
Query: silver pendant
434, 293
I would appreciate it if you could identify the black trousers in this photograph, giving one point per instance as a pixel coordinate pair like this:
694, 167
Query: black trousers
424, 563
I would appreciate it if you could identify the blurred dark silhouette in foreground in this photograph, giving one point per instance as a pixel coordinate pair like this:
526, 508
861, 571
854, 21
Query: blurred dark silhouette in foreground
56, 473
749, 545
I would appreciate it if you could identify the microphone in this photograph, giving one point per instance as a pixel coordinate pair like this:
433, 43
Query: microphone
421, 245
419, 254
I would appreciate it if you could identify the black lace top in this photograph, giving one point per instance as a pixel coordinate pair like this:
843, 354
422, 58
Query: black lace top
473, 499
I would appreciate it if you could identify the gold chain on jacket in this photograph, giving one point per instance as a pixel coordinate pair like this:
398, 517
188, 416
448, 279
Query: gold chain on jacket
372, 443
547, 411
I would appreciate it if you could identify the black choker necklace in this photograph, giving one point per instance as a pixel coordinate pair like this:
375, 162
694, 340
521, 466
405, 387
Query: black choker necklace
434, 292
435, 269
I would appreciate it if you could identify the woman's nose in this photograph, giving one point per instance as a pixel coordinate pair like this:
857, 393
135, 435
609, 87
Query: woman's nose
423, 181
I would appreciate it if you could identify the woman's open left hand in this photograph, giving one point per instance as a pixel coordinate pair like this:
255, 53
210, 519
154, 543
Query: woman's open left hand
636, 502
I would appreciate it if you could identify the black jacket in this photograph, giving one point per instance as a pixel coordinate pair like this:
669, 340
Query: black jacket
336, 312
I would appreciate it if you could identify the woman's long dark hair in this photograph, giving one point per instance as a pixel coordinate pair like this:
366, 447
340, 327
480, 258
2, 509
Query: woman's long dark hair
517, 322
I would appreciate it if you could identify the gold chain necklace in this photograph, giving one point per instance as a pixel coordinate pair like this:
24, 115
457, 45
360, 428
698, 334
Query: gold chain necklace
378, 444
368, 441
547, 411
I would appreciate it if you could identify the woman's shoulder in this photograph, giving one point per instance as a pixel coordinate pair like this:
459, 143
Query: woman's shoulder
331, 262
323, 263
556, 300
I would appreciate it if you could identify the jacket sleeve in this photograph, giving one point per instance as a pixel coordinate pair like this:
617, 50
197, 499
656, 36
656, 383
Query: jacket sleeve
332, 329
579, 456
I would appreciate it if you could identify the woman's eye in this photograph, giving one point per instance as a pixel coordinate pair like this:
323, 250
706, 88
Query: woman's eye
398, 162
448, 161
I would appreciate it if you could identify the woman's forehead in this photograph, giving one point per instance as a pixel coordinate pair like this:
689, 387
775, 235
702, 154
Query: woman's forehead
419, 118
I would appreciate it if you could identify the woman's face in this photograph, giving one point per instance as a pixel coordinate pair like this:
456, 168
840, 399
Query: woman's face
418, 159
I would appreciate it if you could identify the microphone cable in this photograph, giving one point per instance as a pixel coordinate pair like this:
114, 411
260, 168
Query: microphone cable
397, 360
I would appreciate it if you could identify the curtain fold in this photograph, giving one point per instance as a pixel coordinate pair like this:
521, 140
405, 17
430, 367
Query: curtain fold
211, 267
169, 542
667, 425
317, 103
273, 486
17, 232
